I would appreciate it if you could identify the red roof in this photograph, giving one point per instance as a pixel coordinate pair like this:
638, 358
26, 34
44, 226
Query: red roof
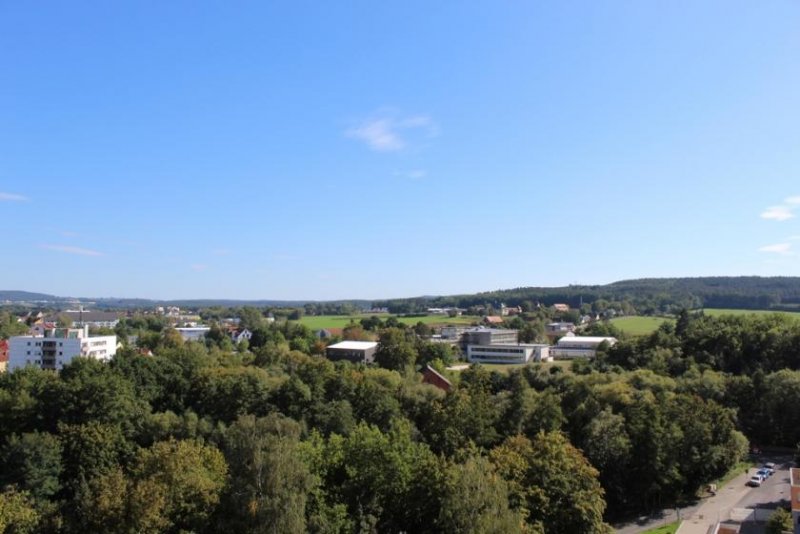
493, 319
3, 350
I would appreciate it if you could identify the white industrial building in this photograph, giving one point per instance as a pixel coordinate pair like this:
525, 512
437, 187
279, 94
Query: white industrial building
569, 347
194, 333
354, 351
57, 347
508, 353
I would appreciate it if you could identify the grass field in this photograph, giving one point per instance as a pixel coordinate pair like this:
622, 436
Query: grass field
667, 529
317, 322
718, 312
637, 325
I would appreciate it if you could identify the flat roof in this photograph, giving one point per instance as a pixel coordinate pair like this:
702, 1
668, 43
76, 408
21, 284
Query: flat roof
568, 340
354, 345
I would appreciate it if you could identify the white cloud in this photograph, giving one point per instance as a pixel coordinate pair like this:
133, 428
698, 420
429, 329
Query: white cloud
199, 267
387, 133
793, 238
792, 200
73, 250
783, 249
12, 197
378, 134
778, 213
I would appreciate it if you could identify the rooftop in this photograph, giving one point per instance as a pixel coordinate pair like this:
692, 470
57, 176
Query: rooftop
354, 345
577, 340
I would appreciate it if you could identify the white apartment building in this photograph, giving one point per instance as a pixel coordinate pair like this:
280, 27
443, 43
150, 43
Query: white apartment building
508, 353
57, 347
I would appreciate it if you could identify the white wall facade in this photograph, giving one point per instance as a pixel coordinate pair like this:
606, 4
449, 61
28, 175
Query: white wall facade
521, 353
56, 352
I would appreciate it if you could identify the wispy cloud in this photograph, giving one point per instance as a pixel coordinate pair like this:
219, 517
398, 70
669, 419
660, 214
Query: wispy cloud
782, 249
199, 267
78, 251
12, 197
782, 212
389, 133
777, 213
220, 252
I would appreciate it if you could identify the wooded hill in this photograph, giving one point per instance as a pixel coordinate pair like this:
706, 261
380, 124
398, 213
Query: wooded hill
646, 295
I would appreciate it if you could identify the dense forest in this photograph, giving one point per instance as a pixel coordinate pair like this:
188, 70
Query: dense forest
272, 437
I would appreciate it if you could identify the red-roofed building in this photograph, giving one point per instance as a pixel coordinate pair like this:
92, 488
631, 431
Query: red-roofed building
493, 319
433, 377
3, 355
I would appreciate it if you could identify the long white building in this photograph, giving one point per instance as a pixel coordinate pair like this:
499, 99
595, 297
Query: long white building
508, 353
57, 347
579, 346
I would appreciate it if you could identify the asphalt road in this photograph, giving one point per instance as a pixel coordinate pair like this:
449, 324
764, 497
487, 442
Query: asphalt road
733, 495
773, 492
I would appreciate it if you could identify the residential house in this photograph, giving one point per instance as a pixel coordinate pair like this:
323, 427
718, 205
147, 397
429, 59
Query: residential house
561, 307
237, 336
493, 320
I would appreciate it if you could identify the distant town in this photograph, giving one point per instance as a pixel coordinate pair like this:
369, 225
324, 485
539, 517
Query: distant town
657, 406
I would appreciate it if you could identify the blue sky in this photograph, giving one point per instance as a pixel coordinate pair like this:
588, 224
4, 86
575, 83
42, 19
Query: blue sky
323, 150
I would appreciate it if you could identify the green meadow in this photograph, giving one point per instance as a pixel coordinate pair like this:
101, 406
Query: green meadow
636, 325
716, 312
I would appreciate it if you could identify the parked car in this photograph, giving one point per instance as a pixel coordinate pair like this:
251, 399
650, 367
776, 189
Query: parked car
763, 473
755, 481
770, 465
